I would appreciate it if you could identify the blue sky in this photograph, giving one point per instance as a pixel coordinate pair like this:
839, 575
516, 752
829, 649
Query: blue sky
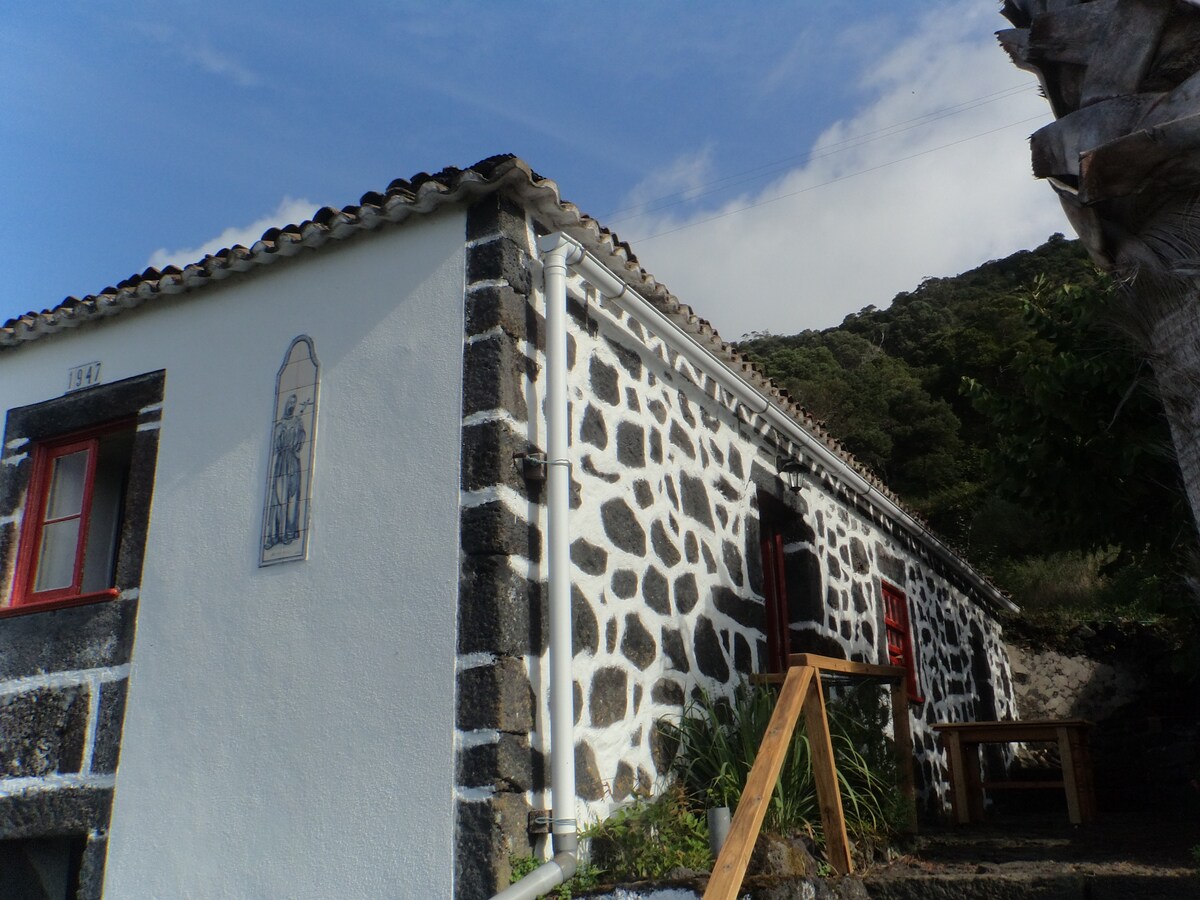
777, 165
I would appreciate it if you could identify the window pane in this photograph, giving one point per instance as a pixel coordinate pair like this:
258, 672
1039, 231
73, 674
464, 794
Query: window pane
66, 485
108, 495
56, 561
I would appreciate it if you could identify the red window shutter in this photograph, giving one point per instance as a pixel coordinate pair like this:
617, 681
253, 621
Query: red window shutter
899, 638
52, 559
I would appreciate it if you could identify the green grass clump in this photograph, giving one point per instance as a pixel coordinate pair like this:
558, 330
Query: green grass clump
650, 837
718, 740
586, 876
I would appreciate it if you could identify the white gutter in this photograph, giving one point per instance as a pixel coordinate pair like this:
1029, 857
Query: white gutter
557, 253
613, 288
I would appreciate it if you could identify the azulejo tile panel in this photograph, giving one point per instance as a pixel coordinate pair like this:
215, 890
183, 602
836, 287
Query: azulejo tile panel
287, 500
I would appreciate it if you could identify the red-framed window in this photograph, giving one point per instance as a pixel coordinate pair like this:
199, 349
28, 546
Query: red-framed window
74, 509
899, 638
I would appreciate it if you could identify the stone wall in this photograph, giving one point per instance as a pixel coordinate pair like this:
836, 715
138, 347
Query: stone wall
64, 672
667, 595
963, 667
1052, 684
63, 679
502, 619
1145, 743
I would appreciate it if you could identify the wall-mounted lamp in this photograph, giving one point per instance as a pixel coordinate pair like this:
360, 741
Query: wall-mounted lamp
791, 470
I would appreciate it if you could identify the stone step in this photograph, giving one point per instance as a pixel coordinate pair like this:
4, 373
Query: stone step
1180, 884
1174, 885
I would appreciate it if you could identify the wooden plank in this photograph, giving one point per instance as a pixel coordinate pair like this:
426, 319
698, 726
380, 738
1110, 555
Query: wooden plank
970, 758
1083, 776
902, 739
829, 797
962, 740
1066, 753
958, 777
1008, 732
1123, 53
846, 666
730, 867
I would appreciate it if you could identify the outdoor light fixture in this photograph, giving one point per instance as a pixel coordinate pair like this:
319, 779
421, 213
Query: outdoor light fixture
532, 466
791, 470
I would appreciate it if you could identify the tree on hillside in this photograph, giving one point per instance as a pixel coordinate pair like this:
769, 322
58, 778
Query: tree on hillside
1079, 436
873, 402
1060, 444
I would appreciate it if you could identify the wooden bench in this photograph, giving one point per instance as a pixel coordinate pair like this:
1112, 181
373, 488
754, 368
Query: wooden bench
961, 741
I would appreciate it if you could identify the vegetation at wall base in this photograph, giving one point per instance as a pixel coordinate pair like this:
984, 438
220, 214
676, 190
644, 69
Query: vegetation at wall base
650, 837
717, 740
586, 877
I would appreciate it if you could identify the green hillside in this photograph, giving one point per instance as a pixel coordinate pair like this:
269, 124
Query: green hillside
1007, 406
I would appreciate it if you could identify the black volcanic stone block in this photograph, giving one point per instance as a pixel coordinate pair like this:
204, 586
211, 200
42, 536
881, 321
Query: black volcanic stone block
604, 382
592, 429
42, 731
674, 650
499, 260
655, 591
710, 658
587, 556
607, 698
695, 499
687, 594
631, 445
637, 645
663, 546
492, 371
680, 439
83, 637
586, 637
622, 528
496, 696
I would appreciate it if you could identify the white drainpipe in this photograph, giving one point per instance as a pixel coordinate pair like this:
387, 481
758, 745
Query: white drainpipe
557, 254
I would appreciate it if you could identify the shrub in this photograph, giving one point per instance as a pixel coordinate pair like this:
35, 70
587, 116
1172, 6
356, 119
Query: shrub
647, 838
718, 741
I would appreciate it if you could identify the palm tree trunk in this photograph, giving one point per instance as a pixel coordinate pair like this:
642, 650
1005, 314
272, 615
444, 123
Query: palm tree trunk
1175, 356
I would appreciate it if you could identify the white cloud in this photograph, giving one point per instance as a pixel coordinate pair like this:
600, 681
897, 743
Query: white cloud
216, 63
290, 211
200, 54
680, 180
910, 187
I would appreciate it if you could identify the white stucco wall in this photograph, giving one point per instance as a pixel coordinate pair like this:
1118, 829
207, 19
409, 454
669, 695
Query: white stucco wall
289, 729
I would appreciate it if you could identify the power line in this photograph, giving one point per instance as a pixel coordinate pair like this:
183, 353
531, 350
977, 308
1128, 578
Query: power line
674, 199
813, 187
